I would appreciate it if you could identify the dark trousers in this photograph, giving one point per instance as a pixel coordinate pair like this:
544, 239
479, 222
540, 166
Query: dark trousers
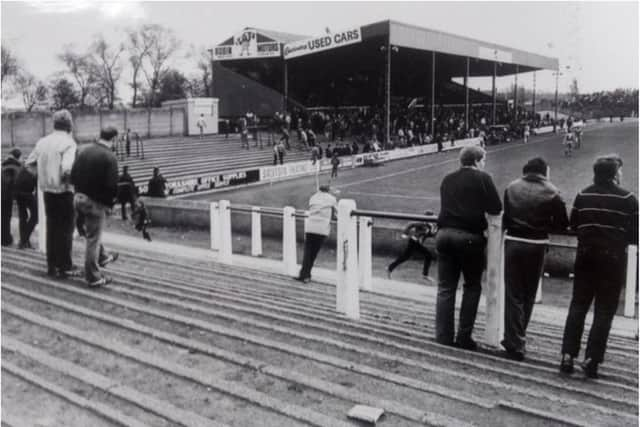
28, 214
412, 247
278, 156
523, 264
458, 252
7, 210
599, 277
123, 203
60, 222
312, 244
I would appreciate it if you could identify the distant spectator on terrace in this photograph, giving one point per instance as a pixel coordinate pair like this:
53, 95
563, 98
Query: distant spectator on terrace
126, 191
278, 153
157, 184
466, 196
127, 142
532, 209
201, 123
317, 226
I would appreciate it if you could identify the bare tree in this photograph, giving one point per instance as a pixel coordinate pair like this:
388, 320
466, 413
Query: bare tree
138, 45
106, 68
9, 63
162, 45
80, 66
32, 90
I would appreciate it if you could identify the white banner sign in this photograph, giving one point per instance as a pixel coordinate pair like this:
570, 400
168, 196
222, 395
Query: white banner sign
318, 44
245, 45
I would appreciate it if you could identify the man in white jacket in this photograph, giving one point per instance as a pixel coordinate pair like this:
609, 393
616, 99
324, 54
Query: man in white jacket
54, 155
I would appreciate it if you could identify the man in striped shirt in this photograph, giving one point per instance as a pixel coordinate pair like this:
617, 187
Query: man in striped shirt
605, 217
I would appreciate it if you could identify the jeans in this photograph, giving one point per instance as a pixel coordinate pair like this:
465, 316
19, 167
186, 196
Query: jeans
413, 246
312, 244
58, 208
523, 263
28, 214
458, 252
7, 210
94, 214
599, 277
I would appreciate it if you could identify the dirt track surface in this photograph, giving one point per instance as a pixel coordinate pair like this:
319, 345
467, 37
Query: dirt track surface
175, 342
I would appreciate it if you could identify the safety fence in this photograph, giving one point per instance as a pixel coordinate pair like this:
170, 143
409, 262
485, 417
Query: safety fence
354, 253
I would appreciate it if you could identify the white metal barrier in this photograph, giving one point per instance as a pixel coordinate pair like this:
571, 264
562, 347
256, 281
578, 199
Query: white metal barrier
347, 292
256, 232
289, 252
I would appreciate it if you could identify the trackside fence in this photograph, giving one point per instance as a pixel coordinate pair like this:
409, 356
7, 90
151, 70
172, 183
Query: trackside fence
354, 254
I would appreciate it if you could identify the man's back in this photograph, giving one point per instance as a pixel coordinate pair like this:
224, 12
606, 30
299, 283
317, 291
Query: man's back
54, 155
95, 173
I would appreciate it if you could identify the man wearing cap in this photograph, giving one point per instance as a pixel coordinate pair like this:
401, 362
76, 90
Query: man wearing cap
54, 155
317, 226
466, 196
605, 217
10, 168
532, 209
95, 177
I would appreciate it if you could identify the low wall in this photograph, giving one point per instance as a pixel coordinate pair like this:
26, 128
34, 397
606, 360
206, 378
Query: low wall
23, 129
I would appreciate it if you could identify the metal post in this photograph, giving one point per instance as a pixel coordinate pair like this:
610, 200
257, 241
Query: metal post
515, 95
630, 290
365, 225
433, 93
170, 121
493, 94
256, 232
347, 293
555, 111
149, 122
494, 297
533, 101
466, 97
285, 100
225, 246
289, 241
387, 94
214, 225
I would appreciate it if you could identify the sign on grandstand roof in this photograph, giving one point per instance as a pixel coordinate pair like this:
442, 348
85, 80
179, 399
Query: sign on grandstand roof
495, 54
247, 44
326, 42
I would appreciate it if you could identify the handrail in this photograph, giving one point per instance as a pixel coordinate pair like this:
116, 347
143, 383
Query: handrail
278, 212
394, 215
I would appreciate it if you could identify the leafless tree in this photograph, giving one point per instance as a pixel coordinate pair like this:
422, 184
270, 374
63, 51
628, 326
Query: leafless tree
138, 45
32, 91
80, 65
162, 45
9, 63
106, 68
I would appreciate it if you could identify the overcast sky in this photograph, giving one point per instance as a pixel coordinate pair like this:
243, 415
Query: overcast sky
598, 41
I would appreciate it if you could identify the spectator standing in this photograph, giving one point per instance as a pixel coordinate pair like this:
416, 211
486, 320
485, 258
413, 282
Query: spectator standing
335, 163
201, 123
54, 155
126, 191
127, 142
157, 184
532, 208
315, 154
466, 196
95, 178
317, 226
25, 186
526, 133
244, 133
605, 217
278, 153
10, 168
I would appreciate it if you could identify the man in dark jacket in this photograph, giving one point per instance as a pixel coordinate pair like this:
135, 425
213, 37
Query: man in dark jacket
95, 178
126, 191
25, 186
532, 208
466, 196
10, 167
605, 217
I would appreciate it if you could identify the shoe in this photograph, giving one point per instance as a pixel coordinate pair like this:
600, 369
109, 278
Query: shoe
73, 272
109, 259
100, 282
303, 280
517, 356
590, 368
566, 364
466, 344
388, 274
429, 279
24, 245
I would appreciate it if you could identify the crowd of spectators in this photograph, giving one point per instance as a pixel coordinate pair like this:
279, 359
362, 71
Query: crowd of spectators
619, 102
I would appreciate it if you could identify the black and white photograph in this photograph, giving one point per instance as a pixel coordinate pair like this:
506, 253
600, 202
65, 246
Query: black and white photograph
319, 213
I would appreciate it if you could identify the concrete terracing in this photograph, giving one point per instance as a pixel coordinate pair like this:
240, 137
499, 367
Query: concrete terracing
179, 339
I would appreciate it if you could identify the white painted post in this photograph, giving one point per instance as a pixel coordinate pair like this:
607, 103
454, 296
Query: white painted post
214, 225
42, 224
494, 295
256, 232
630, 290
365, 228
539, 291
347, 293
225, 244
289, 253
